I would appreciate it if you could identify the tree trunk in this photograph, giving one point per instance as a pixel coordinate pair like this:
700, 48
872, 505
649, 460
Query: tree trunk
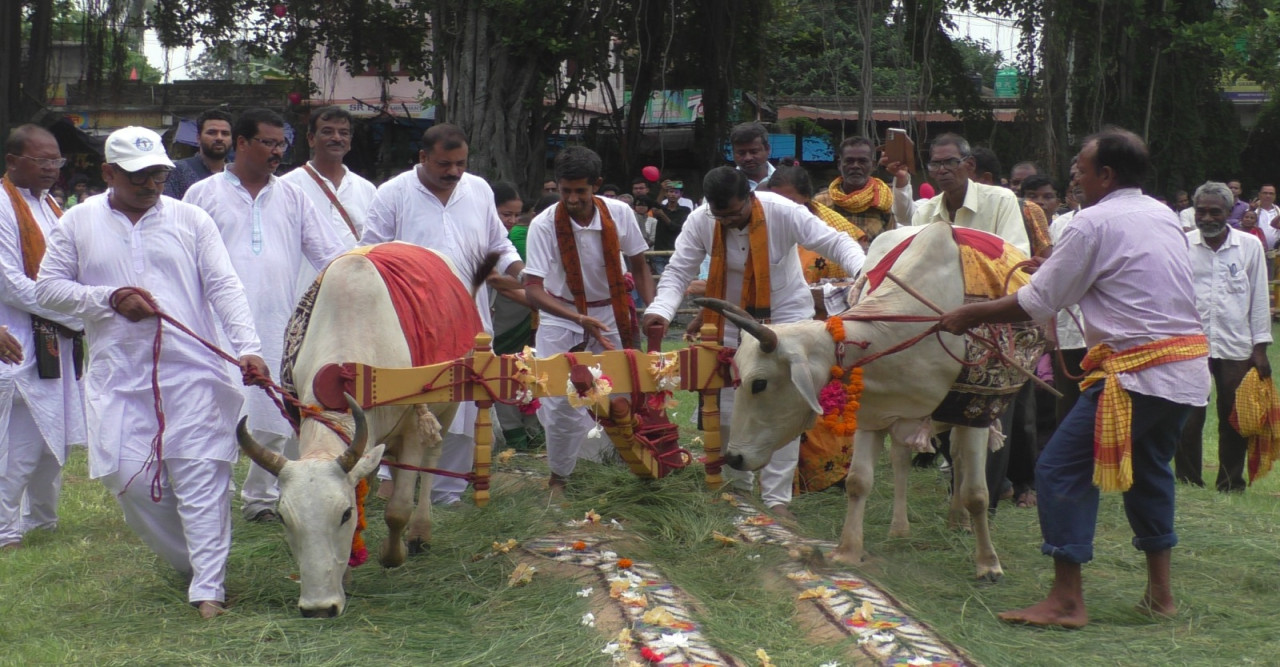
10, 88
35, 79
866, 124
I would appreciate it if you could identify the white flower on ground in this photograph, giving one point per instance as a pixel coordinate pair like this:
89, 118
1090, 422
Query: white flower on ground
883, 637
674, 640
919, 661
585, 593
611, 648
833, 663
589, 620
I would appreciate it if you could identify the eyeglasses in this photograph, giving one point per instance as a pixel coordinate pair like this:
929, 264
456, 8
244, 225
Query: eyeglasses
140, 178
949, 164
43, 162
271, 144
745, 209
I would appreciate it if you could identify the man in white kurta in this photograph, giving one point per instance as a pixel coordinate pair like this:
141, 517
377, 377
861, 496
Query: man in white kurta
38, 417
270, 228
438, 205
329, 136
134, 237
562, 327
788, 224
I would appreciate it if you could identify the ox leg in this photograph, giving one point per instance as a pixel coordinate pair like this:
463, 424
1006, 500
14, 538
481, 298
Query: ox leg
900, 455
969, 450
958, 515
427, 437
857, 484
419, 535
400, 506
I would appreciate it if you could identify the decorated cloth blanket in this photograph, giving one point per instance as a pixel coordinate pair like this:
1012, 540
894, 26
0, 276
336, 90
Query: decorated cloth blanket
986, 385
437, 314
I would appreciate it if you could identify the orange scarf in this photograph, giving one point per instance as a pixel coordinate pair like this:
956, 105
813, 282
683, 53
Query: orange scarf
1113, 425
875, 194
612, 265
756, 291
29, 233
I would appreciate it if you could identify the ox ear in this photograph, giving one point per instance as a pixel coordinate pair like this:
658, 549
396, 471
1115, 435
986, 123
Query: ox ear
367, 464
802, 379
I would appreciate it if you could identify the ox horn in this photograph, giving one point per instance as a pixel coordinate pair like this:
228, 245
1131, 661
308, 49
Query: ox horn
768, 337
267, 459
358, 440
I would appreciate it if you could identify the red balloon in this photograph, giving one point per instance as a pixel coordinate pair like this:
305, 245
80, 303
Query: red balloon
279, 10
651, 173
295, 98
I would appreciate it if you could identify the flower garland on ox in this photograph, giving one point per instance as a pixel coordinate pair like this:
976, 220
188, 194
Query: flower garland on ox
840, 401
359, 554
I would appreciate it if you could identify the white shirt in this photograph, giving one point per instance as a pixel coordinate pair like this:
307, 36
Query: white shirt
1187, 218
1070, 321
1125, 261
355, 193
755, 184
789, 224
987, 208
543, 251
56, 405
465, 229
1265, 218
268, 238
1231, 293
174, 252
683, 201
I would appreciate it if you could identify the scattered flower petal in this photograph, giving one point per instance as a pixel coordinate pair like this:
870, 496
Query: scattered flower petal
579, 546
613, 523
674, 640
505, 547
764, 658
624, 639
617, 587
883, 637
586, 592
651, 655
817, 593
727, 497
592, 517
505, 455
802, 576
753, 557
865, 613
919, 661
611, 648
589, 620
625, 563
723, 539
833, 663
608, 555
658, 616
523, 574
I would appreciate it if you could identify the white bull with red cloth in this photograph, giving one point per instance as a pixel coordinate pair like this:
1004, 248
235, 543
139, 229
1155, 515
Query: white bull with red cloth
392, 305
784, 368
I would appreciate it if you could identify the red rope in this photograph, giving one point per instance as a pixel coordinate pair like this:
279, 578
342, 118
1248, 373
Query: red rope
469, 476
276, 392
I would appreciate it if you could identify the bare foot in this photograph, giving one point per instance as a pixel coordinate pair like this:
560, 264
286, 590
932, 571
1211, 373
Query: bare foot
211, 609
1049, 613
1165, 608
557, 486
781, 511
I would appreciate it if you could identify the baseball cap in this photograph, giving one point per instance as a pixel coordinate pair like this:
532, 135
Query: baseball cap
136, 148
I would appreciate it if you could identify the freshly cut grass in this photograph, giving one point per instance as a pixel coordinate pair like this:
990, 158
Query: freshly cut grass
92, 593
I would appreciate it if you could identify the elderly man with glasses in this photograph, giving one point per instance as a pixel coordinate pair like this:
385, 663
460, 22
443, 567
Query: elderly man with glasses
964, 203
269, 227
41, 410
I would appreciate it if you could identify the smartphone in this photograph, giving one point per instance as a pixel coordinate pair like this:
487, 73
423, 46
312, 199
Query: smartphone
900, 148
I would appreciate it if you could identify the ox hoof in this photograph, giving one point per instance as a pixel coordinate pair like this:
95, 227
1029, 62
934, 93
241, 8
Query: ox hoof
899, 531
391, 555
992, 576
418, 546
846, 557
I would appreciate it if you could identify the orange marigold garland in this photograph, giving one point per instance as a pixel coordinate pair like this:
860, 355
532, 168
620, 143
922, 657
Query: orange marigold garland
840, 402
359, 554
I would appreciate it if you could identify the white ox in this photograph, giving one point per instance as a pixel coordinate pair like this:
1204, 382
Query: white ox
353, 320
782, 368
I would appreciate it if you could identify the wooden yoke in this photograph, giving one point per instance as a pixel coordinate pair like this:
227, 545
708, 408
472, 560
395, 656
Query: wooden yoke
485, 378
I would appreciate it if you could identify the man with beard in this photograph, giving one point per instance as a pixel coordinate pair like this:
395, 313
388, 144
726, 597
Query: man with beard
106, 260
861, 198
1230, 276
269, 227
213, 131
41, 409
330, 186
438, 205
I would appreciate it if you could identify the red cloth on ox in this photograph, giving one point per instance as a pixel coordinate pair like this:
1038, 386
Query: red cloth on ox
988, 244
437, 314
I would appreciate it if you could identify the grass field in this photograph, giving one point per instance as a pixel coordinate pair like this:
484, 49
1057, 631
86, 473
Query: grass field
91, 593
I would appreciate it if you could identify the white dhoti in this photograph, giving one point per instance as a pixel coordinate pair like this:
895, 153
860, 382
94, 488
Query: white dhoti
190, 528
30, 477
776, 477
566, 426
261, 489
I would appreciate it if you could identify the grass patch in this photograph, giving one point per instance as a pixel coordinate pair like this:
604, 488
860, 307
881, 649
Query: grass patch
92, 593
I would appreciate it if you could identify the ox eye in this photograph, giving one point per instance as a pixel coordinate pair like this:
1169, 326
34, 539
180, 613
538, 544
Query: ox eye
758, 386
346, 516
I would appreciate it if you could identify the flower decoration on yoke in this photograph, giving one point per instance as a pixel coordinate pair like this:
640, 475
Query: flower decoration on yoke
528, 381
666, 375
839, 400
597, 396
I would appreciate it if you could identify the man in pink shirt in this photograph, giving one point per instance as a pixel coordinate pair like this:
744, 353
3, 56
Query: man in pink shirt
1147, 352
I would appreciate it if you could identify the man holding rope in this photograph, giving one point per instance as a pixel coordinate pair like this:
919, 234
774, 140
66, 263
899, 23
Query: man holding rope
1146, 370
112, 262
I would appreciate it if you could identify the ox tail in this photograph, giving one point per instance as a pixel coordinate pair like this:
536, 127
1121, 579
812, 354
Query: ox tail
484, 269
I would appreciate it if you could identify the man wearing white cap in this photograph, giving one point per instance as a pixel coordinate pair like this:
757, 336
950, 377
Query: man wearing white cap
106, 261
270, 228
41, 410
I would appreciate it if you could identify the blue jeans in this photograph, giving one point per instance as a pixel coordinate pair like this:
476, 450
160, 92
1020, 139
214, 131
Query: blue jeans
1068, 500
